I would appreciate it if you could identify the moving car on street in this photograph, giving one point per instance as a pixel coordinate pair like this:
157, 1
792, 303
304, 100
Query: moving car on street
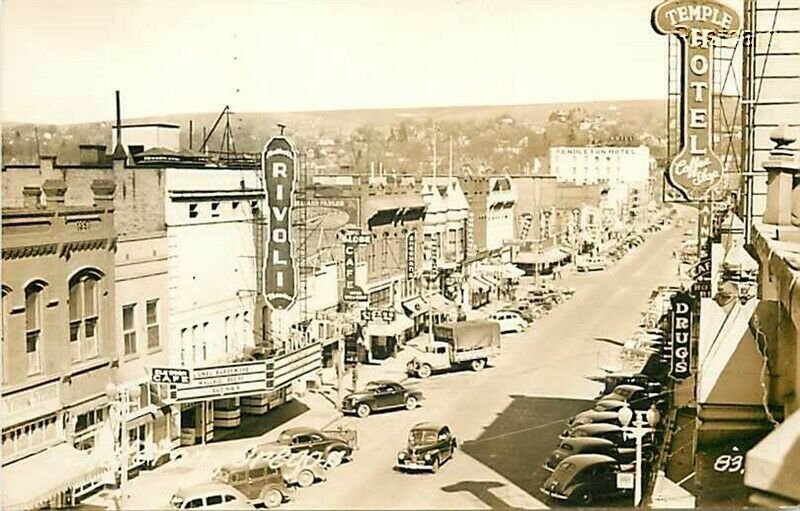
457, 345
430, 444
509, 321
585, 478
589, 445
259, 480
210, 496
380, 395
590, 263
332, 446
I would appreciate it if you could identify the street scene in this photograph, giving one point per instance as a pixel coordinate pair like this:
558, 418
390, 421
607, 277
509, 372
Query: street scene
430, 263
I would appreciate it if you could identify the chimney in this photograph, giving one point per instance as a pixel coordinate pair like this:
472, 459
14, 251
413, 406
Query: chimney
32, 197
55, 191
47, 167
103, 191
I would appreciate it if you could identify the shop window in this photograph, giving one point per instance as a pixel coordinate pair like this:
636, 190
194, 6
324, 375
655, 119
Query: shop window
34, 297
129, 328
153, 334
83, 312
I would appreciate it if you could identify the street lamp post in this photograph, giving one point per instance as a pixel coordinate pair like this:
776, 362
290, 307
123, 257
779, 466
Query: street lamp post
120, 398
638, 431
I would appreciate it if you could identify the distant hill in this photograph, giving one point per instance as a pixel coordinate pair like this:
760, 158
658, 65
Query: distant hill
252, 129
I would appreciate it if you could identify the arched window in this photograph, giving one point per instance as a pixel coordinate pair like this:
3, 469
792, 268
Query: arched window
84, 314
34, 307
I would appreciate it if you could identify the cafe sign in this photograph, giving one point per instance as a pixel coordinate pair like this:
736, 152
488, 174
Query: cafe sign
696, 171
352, 239
681, 340
278, 166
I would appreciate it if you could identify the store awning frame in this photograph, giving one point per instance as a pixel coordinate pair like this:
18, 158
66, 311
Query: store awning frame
32, 482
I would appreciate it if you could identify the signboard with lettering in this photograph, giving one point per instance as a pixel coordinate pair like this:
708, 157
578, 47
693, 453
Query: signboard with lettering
434, 249
278, 166
177, 375
378, 315
411, 255
28, 404
696, 171
352, 292
472, 250
704, 224
681, 340
223, 381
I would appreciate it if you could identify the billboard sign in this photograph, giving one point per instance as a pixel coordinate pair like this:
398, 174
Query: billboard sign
223, 381
176, 375
681, 341
411, 255
696, 171
278, 165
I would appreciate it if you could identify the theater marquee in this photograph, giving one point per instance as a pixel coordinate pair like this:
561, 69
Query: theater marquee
278, 165
696, 171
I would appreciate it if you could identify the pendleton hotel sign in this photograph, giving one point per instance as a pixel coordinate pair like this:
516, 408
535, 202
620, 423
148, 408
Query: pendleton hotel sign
278, 165
696, 171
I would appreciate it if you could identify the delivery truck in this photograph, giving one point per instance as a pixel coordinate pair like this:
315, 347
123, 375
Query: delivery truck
458, 345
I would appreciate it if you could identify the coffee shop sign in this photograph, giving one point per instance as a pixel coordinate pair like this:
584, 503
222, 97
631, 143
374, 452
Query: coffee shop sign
696, 171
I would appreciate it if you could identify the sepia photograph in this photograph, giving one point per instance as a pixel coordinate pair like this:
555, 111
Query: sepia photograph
400, 254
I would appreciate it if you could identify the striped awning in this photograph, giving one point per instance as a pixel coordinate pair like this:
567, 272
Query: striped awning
32, 482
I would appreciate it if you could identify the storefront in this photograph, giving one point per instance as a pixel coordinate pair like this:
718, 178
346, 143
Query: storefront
417, 310
442, 309
479, 292
385, 337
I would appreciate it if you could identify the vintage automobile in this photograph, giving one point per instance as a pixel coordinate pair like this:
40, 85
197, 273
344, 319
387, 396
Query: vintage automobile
612, 432
590, 445
593, 417
429, 445
210, 496
332, 446
583, 478
260, 480
526, 312
635, 396
380, 395
509, 321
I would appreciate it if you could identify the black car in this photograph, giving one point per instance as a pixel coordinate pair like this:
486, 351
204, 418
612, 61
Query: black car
583, 478
592, 417
380, 395
611, 381
589, 445
638, 398
610, 432
429, 445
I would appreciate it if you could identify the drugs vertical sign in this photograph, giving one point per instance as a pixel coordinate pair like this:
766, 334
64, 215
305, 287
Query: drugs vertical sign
279, 165
681, 340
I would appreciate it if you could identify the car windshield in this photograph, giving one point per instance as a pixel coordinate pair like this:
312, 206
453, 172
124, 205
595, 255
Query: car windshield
422, 437
372, 386
285, 438
176, 501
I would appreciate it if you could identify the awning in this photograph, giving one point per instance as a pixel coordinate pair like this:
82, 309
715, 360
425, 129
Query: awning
416, 306
773, 464
730, 371
551, 255
487, 280
400, 324
478, 284
442, 304
31, 483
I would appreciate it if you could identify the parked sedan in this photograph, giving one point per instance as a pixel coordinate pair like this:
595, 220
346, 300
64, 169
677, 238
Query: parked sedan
509, 321
380, 395
526, 313
589, 445
259, 480
429, 445
333, 446
593, 417
636, 396
584, 478
210, 496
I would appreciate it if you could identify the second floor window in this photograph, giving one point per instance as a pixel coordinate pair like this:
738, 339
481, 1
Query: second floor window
129, 328
34, 296
153, 333
83, 312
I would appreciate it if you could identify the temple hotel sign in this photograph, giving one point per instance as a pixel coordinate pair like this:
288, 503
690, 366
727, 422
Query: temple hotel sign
696, 171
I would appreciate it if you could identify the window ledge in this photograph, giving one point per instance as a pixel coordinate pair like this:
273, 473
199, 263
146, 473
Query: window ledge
130, 357
780, 263
153, 351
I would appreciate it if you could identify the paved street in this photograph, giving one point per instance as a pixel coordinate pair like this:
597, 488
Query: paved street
507, 418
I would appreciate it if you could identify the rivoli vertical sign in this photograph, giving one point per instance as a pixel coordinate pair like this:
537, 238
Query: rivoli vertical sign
696, 171
278, 165
680, 366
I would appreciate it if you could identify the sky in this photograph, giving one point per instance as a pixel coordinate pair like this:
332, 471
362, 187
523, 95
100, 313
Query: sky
63, 60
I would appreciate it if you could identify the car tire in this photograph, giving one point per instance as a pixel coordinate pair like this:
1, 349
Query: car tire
363, 410
411, 403
583, 497
305, 478
478, 365
435, 465
424, 371
272, 498
334, 458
